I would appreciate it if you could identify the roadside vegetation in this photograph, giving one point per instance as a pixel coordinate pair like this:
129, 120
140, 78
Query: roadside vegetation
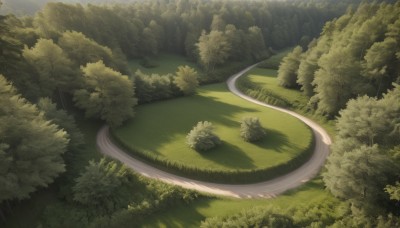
70, 68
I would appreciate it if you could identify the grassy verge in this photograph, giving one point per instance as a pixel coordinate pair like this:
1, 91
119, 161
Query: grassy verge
183, 216
157, 134
262, 85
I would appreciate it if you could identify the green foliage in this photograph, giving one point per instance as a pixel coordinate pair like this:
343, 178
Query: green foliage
31, 146
355, 55
154, 87
65, 122
202, 137
393, 191
256, 217
251, 129
107, 94
186, 80
103, 187
213, 49
359, 174
53, 66
287, 73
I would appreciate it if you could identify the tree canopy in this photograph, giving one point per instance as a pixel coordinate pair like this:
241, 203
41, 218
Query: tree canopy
30, 147
107, 94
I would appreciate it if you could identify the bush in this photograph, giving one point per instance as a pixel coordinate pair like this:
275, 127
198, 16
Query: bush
251, 129
202, 138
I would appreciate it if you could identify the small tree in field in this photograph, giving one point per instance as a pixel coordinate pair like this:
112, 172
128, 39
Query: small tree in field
186, 80
251, 129
202, 138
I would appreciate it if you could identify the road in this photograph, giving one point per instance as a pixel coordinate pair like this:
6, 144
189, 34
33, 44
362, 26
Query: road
267, 189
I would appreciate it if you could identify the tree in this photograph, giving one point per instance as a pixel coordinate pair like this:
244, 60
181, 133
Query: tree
65, 122
186, 80
107, 94
256, 43
83, 50
287, 72
251, 129
393, 191
55, 70
359, 175
30, 148
213, 49
102, 186
202, 138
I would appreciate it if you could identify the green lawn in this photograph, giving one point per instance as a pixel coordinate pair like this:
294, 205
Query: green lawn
266, 78
192, 215
166, 63
161, 129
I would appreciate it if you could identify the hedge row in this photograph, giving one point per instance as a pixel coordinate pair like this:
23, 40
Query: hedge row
219, 176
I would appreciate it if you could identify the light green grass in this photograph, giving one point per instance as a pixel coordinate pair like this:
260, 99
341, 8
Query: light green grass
192, 215
161, 129
166, 63
267, 79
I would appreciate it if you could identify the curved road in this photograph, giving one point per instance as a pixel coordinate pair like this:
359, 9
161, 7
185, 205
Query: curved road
265, 189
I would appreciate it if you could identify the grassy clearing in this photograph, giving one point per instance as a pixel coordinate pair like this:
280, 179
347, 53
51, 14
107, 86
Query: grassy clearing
161, 128
266, 80
191, 216
165, 64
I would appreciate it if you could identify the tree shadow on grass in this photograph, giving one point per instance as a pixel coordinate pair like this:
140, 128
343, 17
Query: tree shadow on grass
273, 140
161, 123
230, 156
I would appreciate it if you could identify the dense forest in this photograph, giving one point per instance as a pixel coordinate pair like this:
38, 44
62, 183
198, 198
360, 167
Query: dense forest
70, 61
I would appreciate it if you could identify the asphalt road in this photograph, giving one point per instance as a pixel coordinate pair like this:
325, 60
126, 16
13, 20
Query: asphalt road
267, 189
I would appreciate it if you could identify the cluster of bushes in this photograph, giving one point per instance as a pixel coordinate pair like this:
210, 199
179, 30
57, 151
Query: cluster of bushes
221, 176
107, 194
156, 87
202, 137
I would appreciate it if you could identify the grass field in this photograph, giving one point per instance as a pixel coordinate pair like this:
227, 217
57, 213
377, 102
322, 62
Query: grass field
161, 128
165, 63
266, 79
192, 215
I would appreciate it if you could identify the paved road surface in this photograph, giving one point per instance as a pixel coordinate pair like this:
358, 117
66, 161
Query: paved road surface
267, 189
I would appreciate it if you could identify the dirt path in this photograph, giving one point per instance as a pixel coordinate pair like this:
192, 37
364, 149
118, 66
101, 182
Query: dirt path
265, 189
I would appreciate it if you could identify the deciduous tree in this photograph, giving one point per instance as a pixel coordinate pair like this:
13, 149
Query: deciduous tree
186, 80
107, 94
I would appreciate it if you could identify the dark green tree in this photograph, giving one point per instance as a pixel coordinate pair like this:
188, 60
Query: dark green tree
30, 149
55, 69
102, 186
287, 72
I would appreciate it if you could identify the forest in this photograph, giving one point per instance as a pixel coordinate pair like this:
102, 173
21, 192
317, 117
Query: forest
65, 70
